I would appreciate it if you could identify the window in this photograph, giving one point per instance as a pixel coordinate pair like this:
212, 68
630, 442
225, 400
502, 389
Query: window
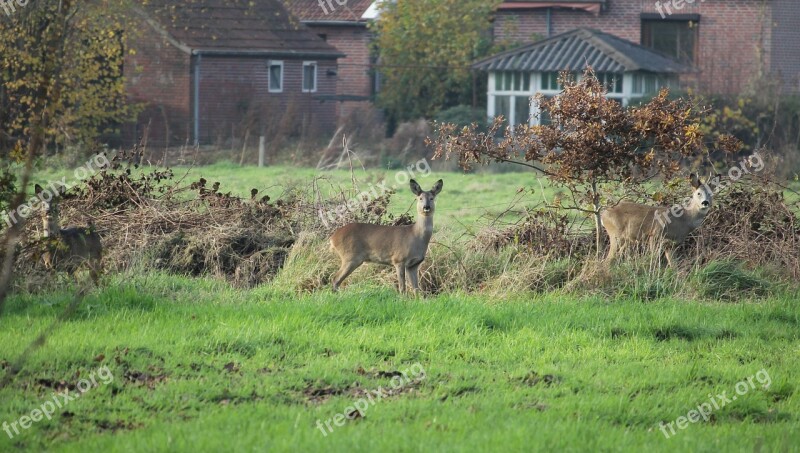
676, 38
275, 76
544, 118
309, 77
512, 81
550, 81
502, 106
612, 82
651, 83
522, 110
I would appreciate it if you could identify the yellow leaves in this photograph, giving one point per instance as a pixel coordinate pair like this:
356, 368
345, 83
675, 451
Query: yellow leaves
82, 88
692, 131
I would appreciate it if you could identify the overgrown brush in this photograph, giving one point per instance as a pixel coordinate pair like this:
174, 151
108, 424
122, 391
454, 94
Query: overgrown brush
750, 227
751, 224
150, 219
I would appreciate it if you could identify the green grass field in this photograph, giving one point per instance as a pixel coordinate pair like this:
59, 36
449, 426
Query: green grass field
200, 366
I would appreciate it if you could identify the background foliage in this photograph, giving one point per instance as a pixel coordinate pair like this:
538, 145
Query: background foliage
425, 49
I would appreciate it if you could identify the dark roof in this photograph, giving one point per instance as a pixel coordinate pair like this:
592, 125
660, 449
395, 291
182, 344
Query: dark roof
312, 11
236, 27
593, 6
579, 48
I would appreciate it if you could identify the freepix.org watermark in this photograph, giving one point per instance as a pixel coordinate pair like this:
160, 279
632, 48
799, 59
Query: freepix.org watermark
419, 169
411, 376
716, 402
329, 4
10, 6
666, 8
750, 164
53, 189
58, 400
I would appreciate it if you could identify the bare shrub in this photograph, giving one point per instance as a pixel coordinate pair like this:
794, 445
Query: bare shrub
365, 122
543, 233
149, 219
408, 143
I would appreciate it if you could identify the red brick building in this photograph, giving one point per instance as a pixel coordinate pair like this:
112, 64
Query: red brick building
344, 27
207, 71
731, 43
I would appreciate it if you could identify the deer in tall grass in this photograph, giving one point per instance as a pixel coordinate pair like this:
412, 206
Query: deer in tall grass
633, 223
68, 249
403, 247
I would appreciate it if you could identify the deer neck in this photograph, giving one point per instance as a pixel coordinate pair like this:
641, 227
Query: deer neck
51, 226
694, 216
423, 228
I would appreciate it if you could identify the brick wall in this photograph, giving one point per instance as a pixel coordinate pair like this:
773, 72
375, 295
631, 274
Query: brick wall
158, 75
734, 35
234, 96
354, 70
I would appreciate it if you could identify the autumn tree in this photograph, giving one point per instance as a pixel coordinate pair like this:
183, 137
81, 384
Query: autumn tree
85, 97
590, 142
425, 48
60, 83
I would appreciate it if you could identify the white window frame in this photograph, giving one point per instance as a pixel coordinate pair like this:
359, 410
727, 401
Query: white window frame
493, 93
316, 76
625, 97
269, 76
659, 81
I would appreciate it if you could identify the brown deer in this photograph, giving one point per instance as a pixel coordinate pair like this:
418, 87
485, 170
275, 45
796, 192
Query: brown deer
67, 249
403, 247
633, 223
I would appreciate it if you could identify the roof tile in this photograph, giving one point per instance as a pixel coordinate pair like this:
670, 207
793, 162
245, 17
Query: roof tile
579, 48
236, 26
331, 10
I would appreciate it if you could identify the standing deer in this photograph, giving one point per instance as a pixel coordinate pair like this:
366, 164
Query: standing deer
403, 247
67, 249
634, 223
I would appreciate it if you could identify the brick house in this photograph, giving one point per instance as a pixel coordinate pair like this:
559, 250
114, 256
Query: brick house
731, 43
345, 28
629, 72
208, 70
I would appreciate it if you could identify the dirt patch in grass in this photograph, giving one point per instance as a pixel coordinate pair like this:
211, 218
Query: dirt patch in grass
533, 379
150, 379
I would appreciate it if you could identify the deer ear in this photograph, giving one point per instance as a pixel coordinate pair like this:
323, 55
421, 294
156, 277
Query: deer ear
37, 189
437, 187
694, 180
415, 188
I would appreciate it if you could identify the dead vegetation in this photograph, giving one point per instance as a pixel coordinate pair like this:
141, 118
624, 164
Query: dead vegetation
149, 218
153, 219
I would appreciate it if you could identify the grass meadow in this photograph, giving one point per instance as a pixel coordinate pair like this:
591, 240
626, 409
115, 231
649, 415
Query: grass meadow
200, 365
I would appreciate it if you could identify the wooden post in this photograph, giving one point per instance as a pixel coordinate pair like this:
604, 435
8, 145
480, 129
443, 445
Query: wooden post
262, 150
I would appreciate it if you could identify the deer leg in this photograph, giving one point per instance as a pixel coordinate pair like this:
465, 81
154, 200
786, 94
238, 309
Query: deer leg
612, 248
669, 252
401, 277
346, 269
95, 269
413, 273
